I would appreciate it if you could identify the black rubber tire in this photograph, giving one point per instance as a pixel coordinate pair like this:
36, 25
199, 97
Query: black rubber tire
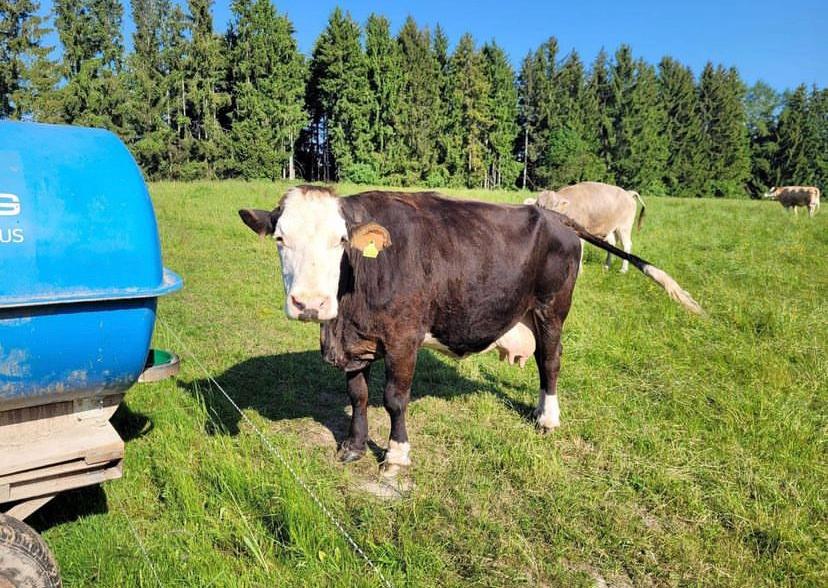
25, 560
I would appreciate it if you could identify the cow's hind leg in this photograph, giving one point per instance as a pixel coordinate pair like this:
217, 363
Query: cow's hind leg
353, 448
548, 324
399, 368
625, 235
610, 238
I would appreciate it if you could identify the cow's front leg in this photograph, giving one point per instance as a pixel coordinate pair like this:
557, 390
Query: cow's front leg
399, 367
353, 448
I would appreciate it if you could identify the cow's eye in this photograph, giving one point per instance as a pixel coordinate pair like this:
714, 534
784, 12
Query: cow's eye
343, 241
279, 240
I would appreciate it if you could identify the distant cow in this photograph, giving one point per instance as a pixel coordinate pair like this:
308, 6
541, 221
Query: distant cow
604, 210
386, 273
795, 196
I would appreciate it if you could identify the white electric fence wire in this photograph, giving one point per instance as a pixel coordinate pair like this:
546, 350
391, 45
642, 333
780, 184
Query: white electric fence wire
140, 543
278, 454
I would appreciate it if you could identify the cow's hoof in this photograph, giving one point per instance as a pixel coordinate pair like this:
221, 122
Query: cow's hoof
544, 424
546, 428
391, 470
347, 454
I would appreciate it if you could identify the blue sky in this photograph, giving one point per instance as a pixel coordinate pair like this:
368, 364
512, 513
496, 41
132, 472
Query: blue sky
782, 43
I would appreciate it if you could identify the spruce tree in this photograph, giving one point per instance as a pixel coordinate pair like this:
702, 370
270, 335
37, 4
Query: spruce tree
339, 101
793, 164
532, 98
639, 147
685, 173
94, 92
549, 111
267, 89
385, 81
527, 116
90, 29
725, 137
761, 105
147, 130
174, 48
421, 115
469, 99
26, 74
442, 124
572, 140
203, 95
598, 115
503, 130
818, 129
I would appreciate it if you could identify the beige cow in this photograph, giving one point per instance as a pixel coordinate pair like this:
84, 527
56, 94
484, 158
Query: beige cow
796, 196
603, 210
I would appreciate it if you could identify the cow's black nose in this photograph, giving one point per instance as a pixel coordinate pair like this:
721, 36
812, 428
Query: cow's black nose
309, 315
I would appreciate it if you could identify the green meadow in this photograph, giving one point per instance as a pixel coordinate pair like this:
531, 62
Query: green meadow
691, 452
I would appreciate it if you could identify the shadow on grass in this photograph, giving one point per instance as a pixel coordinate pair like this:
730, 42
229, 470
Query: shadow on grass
68, 507
300, 385
76, 504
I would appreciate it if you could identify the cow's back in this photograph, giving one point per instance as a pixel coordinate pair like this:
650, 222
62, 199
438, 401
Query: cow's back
600, 208
797, 195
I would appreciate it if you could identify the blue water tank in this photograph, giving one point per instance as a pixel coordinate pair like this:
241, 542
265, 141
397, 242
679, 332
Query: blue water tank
80, 265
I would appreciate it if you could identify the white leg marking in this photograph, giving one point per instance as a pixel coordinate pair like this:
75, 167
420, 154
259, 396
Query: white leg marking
397, 453
548, 413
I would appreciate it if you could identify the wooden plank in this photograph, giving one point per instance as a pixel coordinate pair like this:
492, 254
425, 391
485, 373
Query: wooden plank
25, 509
52, 486
72, 441
100, 405
49, 471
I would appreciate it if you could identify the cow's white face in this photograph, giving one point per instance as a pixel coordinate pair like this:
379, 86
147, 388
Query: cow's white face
311, 235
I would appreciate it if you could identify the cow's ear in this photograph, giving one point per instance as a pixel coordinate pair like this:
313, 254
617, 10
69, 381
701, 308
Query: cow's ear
370, 238
561, 203
262, 222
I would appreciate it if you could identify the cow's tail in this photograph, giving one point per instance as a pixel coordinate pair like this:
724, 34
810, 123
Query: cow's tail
659, 276
640, 220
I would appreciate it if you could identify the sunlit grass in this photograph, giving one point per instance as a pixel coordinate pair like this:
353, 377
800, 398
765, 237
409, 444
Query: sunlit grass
692, 451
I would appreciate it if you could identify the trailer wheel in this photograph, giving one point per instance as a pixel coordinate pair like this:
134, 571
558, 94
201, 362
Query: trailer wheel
25, 560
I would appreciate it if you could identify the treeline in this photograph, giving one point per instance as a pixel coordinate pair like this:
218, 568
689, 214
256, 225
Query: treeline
369, 106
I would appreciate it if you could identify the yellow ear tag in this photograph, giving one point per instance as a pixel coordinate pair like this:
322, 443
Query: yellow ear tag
370, 250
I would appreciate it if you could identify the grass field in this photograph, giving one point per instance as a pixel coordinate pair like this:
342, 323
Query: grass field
691, 452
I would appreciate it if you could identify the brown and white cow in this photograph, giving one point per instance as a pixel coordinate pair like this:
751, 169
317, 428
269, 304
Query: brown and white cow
604, 210
386, 273
795, 196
